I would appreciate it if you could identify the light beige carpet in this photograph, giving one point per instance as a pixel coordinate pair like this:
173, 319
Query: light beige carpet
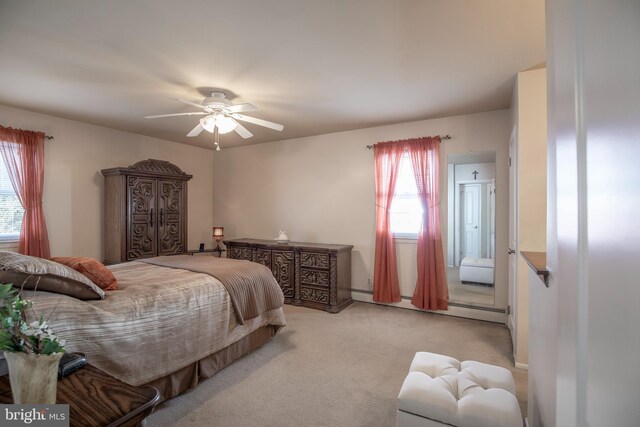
334, 369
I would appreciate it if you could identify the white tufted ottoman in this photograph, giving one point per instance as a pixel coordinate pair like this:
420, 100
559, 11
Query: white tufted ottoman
477, 270
440, 390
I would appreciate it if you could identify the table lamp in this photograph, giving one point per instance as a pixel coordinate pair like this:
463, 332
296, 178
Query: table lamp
218, 234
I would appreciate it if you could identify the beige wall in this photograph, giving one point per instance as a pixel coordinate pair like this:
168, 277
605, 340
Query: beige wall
73, 198
532, 190
321, 189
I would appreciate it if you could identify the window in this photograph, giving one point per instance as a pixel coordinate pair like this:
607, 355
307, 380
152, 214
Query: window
11, 211
406, 210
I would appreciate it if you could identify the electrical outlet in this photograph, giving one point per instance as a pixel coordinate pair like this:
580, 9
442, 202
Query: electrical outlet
369, 281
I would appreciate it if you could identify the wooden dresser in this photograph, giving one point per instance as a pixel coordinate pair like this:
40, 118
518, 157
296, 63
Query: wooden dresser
310, 274
145, 211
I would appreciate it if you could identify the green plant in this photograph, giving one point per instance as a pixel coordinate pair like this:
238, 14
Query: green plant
16, 334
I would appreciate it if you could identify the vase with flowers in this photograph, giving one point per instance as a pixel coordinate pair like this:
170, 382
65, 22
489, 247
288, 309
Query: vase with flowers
32, 351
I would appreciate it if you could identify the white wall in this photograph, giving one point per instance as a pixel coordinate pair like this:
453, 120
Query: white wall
531, 117
73, 196
542, 353
485, 171
321, 189
594, 232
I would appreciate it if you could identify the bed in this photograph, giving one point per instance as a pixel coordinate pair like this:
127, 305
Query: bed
170, 323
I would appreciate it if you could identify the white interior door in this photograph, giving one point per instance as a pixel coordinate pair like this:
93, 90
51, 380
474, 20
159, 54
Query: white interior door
470, 208
513, 235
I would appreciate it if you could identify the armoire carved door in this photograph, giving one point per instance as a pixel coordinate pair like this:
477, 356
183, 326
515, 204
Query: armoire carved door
171, 234
141, 229
145, 211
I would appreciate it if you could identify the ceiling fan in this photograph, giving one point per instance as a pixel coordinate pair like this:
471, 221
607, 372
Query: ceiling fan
221, 116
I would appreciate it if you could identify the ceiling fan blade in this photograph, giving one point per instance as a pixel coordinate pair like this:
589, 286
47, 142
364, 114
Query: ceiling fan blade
239, 108
259, 122
242, 131
188, 102
196, 130
197, 113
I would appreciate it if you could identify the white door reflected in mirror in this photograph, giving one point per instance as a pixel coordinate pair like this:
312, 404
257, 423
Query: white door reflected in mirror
470, 212
471, 228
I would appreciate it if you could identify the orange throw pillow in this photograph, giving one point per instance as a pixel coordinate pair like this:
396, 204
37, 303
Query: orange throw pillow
91, 268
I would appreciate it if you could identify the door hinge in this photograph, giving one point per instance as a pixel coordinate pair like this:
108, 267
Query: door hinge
509, 161
508, 309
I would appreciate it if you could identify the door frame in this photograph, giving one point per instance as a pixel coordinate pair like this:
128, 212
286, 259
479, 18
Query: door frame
512, 242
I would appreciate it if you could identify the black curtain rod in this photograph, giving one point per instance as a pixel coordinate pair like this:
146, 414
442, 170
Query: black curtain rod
441, 138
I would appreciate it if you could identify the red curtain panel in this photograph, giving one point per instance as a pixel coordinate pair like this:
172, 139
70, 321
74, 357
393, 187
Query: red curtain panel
23, 154
431, 292
387, 158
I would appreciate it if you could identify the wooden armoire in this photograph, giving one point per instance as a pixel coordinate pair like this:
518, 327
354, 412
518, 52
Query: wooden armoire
145, 211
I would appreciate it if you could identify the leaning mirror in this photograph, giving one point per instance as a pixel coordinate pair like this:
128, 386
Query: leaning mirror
471, 227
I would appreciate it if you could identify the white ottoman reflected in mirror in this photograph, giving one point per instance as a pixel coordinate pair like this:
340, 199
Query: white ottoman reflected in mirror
477, 270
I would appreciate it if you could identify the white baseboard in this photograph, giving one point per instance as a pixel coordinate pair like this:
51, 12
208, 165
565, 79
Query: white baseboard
522, 366
470, 313
512, 329
512, 333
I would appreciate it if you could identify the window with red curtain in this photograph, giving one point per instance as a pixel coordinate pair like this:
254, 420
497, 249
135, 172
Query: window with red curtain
11, 210
407, 205
22, 153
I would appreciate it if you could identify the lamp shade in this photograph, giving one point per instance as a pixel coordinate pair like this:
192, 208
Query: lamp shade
218, 232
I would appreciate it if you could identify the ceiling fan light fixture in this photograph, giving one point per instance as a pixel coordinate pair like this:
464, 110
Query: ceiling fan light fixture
223, 123
208, 123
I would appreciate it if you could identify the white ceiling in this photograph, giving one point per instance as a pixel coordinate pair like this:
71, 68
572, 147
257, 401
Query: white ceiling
315, 66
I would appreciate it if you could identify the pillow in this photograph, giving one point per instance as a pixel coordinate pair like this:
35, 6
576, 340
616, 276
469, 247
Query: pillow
32, 273
92, 269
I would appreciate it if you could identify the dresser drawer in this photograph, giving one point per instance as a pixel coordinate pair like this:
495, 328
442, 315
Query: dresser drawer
314, 277
239, 252
314, 295
314, 260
